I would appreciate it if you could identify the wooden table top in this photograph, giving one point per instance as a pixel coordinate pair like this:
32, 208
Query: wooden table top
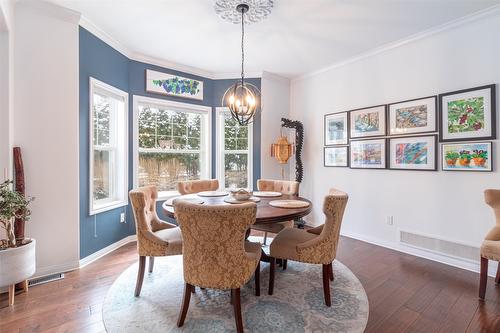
266, 214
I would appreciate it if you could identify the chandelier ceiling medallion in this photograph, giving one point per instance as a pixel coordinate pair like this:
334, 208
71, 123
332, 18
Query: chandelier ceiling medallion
241, 98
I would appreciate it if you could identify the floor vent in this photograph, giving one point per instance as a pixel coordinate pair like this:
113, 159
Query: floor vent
440, 246
46, 279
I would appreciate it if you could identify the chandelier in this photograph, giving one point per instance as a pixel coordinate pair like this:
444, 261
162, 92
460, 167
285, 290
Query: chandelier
241, 98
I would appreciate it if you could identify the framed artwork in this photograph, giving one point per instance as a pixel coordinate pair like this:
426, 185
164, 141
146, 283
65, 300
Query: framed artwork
468, 114
413, 153
413, 116
470, 156
336, 129
367, 122
173, 85
368, 154
336, 156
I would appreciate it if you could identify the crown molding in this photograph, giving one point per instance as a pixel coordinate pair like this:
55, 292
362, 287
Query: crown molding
105, 37
236, 75
51, 10
275, 77
484, 13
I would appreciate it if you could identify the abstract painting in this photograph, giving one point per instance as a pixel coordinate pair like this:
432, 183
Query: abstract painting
413, 116
173, 85
413, 153
367, 122
468, 114
336, 156
368, 154
336, 129
474, 156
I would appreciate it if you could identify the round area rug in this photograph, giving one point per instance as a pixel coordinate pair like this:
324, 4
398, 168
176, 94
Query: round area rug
296, 306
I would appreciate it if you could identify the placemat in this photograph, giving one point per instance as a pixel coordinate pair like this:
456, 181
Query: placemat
289, 203
212, 193
232, 200
267, 194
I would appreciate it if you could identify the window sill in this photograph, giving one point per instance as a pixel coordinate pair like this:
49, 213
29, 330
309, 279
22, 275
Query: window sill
107, 206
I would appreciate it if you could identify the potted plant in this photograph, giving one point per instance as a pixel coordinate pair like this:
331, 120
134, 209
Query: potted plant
465, 158
479, 157
17, 257
451, 158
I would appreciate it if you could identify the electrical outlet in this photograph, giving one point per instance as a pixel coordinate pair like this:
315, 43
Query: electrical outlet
390, 220
122, 217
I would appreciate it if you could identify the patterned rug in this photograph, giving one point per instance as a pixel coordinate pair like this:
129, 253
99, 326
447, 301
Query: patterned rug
296, 306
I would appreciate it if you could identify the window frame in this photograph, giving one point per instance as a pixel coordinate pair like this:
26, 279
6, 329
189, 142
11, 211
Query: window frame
119, 178
221, 151
174, 106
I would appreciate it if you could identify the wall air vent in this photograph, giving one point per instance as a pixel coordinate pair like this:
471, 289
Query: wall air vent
440, 246
46, 279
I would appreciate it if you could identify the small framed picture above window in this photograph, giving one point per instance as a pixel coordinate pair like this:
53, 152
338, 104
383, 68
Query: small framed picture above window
108, 147
413, 116
336, 126
468, 114
336, 156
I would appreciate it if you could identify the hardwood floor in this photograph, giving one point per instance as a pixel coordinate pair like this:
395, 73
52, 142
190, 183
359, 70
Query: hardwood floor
406, 294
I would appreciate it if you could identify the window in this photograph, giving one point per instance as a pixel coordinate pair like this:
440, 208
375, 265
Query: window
172, 143
108, 147
234, 152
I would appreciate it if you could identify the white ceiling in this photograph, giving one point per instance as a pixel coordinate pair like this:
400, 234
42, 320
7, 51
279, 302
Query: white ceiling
300, 36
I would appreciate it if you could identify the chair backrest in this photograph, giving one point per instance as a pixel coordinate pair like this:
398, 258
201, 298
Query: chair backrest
143, 201
289, 187
492, 199
195, 186
214, 243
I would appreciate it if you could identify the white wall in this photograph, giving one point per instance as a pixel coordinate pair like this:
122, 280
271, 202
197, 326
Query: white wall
446, 205
46, 128
275, 105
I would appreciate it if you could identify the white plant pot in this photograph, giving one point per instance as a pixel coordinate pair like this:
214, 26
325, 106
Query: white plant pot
17, 264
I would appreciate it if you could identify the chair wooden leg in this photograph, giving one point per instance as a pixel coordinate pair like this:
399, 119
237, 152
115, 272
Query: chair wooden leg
483, 279
326, 284
231, 296
12, 292
25, 285
272, 268
140, 275
237, 310
284, 263
185, 304
257, 279
265, 238
497, 278
330, 271
151, 264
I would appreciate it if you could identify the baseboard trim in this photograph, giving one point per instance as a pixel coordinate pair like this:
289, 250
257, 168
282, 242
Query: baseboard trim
102, 252
469, 265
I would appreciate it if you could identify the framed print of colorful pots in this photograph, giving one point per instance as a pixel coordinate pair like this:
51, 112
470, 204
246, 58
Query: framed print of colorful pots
413, 153
470, 156
368, 154
367, 122
336, 129
468, 114
336, 156
413, 116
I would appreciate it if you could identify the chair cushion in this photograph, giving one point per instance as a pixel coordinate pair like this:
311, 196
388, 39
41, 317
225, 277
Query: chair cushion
173, 238
284, 245
491, 250
253, 250
273, 227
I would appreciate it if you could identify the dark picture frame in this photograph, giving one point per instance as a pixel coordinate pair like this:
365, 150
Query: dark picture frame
445, 164
489, 129
336, 147
434, 145
383, 151
383, 120
414, 102
345, 115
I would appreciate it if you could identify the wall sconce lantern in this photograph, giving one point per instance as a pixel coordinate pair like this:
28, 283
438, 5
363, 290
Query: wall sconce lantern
282, 150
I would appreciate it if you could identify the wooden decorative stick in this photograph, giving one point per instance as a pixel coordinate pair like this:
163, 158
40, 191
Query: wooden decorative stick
19, 187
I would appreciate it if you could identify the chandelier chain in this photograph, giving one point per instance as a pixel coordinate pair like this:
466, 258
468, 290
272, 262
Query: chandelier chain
242, 46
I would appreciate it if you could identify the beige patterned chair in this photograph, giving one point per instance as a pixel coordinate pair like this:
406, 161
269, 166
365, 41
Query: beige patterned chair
300, 245
155, 238
490, 249
195, 186
215, 253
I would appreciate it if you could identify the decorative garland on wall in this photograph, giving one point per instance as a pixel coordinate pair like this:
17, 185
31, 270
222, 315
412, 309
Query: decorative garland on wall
299, 142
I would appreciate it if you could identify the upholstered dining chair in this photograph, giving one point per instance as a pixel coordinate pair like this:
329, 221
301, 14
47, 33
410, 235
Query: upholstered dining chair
303, 246
195, 186
283, 186
490, 249
155, 238
215, 253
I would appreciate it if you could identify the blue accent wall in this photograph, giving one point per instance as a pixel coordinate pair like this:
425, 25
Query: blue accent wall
104, 63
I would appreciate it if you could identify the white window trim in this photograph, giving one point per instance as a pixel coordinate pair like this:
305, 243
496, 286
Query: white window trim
220, 149
172, 105
106, 205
